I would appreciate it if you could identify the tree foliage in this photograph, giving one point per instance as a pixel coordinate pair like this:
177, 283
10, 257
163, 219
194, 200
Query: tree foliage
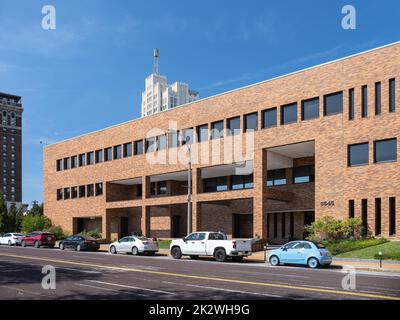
32, 222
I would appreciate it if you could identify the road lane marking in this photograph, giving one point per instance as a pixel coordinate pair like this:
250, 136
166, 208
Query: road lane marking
22, 290
227, 280
96, 287
130, 287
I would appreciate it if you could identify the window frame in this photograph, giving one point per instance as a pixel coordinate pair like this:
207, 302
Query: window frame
376, 142
303, 102
286, 107
246, 119
349, 154
263, 117
326, 114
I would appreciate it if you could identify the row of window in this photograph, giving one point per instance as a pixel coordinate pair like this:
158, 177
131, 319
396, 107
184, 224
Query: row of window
238, 182
82, 191
301, 174
332, 104
384, 151
378, 215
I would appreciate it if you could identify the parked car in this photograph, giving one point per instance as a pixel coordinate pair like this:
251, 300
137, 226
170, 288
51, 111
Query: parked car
210, 243
79, 243
134, 245
307, 253
38, 239
12, 239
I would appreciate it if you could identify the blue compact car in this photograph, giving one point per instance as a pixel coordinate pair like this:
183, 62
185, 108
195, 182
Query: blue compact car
301, 252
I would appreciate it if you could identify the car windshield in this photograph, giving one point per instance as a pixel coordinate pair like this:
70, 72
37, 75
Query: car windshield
290, 245
144, 239
18, 235
46, 234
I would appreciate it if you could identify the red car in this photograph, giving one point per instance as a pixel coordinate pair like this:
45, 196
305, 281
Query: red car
38, 239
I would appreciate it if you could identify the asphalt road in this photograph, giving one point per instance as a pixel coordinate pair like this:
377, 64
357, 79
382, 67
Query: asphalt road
98, 275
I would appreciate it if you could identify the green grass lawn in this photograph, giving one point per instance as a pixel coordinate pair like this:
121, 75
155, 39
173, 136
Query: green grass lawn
164, 244
390, 251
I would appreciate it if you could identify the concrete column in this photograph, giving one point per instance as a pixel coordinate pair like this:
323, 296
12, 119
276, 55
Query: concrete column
260, 190
196, 216
145, 187
145, 221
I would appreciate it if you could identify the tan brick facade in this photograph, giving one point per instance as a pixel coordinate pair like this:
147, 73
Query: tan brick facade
335, 182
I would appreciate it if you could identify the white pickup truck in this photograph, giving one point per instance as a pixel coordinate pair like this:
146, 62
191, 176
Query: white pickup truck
209, 243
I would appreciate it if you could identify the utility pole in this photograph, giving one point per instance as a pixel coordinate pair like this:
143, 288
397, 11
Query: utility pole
189, 196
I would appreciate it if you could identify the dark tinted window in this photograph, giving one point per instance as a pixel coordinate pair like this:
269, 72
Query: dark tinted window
90, 158
385, 150
377, 98
99, 189
250, 122
74, 162
108, 154
217, 129
162, 142
173, 139
59, 165
187, 136
303, 174
351, 208
289, 113
67, 193
310, 109
378, 215
358, 154
99, 156
90, 190
276, 177
67, 163
234, 126
333, 103
215, 184
392, 95
138, 147
74, 192
59, 194
150, 144
392, 216
269, 118
117, 152
202, 133
242, 182
162, 187
351, 104
82, 159
82, 191
127, 149
364, 101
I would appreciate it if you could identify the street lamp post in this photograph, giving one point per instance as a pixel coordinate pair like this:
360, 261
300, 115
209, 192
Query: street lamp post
189, 196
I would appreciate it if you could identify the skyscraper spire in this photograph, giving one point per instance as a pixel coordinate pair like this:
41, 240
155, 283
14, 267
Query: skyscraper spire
155, 63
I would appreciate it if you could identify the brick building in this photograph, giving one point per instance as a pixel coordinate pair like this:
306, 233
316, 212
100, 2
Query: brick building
321, 141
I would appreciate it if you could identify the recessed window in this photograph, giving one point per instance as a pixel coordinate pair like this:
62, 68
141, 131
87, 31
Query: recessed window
215, 184
99, 156
303, 174
59, 194
187, 136
351, 104
333, 103
276, 177
392, 95
392, 216
99, 189
162, 187
269, 118
90, 190
289, 113
173, 138
150, 144
385, 150
90, 158
364, 216
67, 163
127, 149
82, 159
378, 215
67, 193
233, 126
251, 122
242, 182
74, 192
378, 98
351, 208
117, 152
217, 129
138, 147
202, 133
59, 165
310, 109
162, 142
108, 154
364, 101
357, 154
82, 191
74, 161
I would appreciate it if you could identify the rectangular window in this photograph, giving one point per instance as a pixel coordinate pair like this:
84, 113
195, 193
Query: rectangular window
187, 136
283, 224
67, 193
90, 190
392, 95
150, 144
303, 174
385, 150
351, 104
99, 156
351, 208
117, 152
138, 147
392, 216
162, 142
364, 101
107, 154
289, 113
74, 161
378, 98
173, 138
378, 214
90, 158
59, 165
364, 216
67, 163
269, 118
74, 192
217, 129
251, 122
162, 187
82, 160
59, 194
99, 189
82, 191
276, 177
202, 133
233, 126
275, 225
127, 149
242, 182
310, 109
333, 103
215, 184
357, 154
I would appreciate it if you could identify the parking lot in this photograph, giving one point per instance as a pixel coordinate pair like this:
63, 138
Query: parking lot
100, 275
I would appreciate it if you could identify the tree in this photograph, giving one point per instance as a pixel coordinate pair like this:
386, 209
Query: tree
37, 209
34, 222
3, 215
14, 218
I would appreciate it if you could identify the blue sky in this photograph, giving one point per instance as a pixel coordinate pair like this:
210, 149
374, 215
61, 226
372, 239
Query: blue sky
89, 72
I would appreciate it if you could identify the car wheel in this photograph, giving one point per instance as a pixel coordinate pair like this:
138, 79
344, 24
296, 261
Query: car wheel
37, 244
62, 246
176, 253
113, 250
23, 244
9, 243
194, 257
135, 251
312, 263
220, 255
237, 259
274, 261
78, 247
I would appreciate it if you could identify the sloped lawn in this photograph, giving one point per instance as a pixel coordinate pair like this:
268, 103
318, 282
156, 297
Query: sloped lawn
390, 251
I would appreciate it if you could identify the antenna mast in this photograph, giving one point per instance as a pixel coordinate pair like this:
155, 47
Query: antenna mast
155, 63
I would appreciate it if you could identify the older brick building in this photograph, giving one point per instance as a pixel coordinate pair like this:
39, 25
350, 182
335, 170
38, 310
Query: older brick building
321, 141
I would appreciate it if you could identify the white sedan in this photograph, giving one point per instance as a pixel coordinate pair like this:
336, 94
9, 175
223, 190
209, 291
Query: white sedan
134, 245
11, 239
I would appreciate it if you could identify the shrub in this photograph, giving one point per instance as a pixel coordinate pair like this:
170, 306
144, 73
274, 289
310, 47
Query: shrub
328, 228
91, 233
32, 222
57, 231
